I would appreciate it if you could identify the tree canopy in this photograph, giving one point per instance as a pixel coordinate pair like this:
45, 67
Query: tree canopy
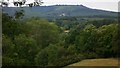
39, 42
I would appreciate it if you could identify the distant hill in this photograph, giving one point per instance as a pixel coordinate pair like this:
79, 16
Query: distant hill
59, 11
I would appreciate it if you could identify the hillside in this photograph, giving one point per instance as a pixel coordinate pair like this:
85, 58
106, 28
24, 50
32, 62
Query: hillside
59, 10
59, 42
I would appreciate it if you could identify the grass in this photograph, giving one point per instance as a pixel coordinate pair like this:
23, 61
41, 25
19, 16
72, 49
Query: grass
97, 62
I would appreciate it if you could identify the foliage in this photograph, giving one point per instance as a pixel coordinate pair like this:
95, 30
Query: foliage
43, 32
38, 42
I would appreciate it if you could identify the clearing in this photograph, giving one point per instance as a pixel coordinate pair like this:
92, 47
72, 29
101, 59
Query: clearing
96, 62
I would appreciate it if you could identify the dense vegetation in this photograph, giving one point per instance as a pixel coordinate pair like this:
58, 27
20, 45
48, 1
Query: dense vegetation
38, 42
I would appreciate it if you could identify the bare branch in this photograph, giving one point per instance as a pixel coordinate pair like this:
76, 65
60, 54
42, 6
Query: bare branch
20, 3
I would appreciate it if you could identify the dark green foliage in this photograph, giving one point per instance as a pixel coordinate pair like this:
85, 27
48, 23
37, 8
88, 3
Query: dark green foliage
97, 40
116, 41
99, 23
50, 55
25, 47
19, 52
43, 32
41, 58
37, 42
19, 14
10, 26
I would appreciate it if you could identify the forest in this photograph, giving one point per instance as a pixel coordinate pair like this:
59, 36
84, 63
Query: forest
42, 43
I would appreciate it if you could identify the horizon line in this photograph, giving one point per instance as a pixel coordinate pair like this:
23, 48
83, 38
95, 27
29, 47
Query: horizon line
66, 5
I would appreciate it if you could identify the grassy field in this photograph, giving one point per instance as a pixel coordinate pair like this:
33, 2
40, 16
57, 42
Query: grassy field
96, 63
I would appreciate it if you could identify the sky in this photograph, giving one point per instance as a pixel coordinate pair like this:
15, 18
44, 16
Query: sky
110, 5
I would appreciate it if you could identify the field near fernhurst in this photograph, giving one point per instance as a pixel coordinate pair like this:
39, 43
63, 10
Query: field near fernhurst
97, 62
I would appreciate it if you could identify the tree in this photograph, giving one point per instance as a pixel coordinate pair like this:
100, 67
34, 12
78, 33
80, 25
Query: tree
104, 47
7, 46
10, 56
20, 3
42, 58
10, 26
116, 41
26, 48
72, 49
20, 51
19, 14
43, 32
83, 40
49, 56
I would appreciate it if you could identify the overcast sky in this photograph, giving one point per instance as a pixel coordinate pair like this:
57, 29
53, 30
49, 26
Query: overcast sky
111, 5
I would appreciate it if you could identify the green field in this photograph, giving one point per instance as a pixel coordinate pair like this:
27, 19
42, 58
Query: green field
96, 62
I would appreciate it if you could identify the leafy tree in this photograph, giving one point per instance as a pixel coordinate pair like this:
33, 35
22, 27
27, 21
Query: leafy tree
10, 55
72, 49
7, 46
26, 48
99, 23
52, 51
105, 40
82, 40
19, 14
42, 58
50, 55
116, 41
43, 32
10, 26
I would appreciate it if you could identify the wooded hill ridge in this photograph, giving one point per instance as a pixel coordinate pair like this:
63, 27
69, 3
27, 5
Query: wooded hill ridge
56, 11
